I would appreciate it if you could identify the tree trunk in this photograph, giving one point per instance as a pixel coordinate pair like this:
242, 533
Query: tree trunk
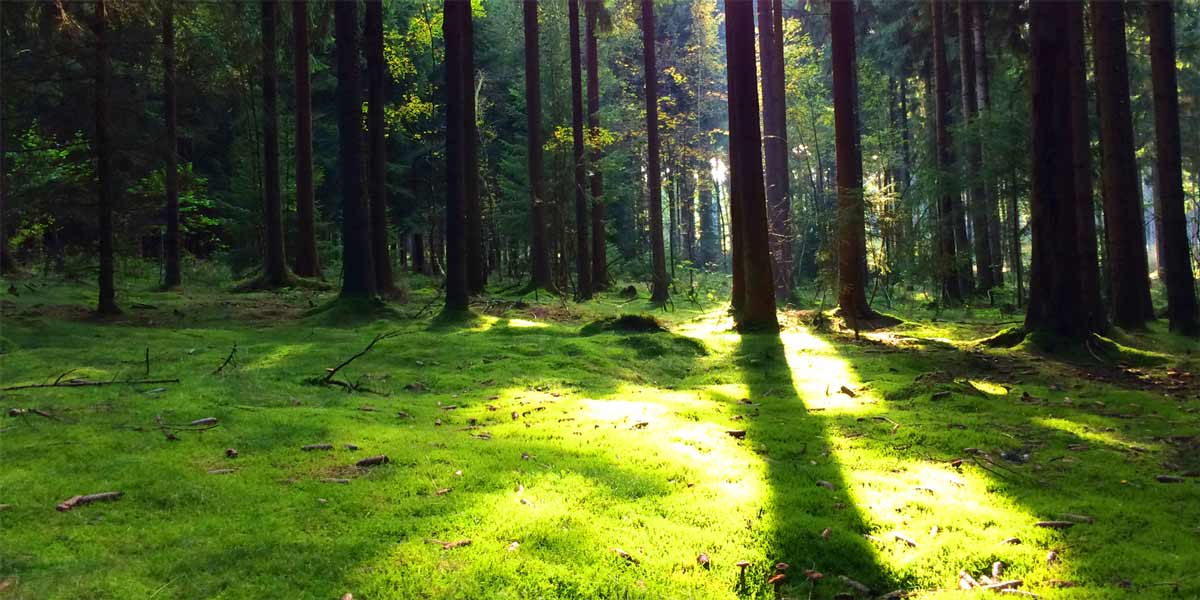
991, 204
358, 272
658, 292
275, 265
1089, 269
583, 263
454, 23
476, 261
746, 172
976, 196
591, 9
171, 267
377, 136
775, 148
1059, 302
540, 258
307, 263
709, 242
947, 260
107, 302
1181, 290
1128, 269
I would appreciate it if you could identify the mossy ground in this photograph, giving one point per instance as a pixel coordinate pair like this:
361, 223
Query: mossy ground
547, 449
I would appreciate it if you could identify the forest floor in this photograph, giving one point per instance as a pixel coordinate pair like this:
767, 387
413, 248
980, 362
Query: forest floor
530, 459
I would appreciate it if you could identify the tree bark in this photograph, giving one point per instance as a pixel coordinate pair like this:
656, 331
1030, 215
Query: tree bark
583, 263
540, 258
658, 291
107, 301
1125, 237
1181, 290
275, 265
983, 87
947, 259
307, 262
746, 172
171, 267
775, 147
455, 17
376, 130
976, 195
1089, 269
591, 10
476, 257
358, 272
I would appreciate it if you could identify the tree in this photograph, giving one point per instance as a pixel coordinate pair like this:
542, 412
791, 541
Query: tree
583, 264
1059, 298
775, 146
658, 258
275, 271
984, 96
757, 310
976, 198
358, 272
477, 270
591, 9
1181, 290
851, 242
107, 302
456, 15
1089, 268
1125, 236
539, 257
377, 132
947, 257
171, 274
307, 262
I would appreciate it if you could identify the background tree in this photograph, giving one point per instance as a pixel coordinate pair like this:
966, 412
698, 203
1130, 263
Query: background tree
948, 261
775, 146
583, 264
275, 271
107, 302
658, 291
455, 16
307, 262
976, 198
377, 132
591, 9
539, 257
171, 270
358, 271
477, 269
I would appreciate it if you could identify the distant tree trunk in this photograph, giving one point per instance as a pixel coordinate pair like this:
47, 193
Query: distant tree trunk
851, 243
947, 260
358, 272
171, 267
775, 147
591, 9
1181, 290
710, 249
476, 257
1128, 267
1059, 302
976, 193
1089, 269
418, 254
107, 302
746, 172
983, 86
307, 263
1014, 220
658, 292
687, 215
583, 263
7, 264
275, 271
377, 171
456, 15
540, 257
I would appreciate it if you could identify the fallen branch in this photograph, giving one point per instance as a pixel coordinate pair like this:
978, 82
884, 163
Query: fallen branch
75, 501
371, 461
228, 359
71, 383
351, 387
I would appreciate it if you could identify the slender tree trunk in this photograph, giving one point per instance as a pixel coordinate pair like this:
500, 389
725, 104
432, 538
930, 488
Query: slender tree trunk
775, 148
307, 262
457, 13
377, 135
107, 302
358, 272
540, 257
591, 10
1089, 269
976, 193
658, 292
984, 98
171, 270
476, 258
1181, 290
275, 265
1128, 267
750, 231
583, 263
1014, 219
947, 260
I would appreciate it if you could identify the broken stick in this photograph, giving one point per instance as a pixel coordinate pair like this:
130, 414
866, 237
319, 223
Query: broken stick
75, 501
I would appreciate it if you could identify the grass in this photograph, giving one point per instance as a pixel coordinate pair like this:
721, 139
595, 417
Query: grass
548, 448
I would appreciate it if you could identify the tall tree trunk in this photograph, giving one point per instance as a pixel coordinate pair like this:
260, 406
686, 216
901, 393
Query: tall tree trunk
171, 267
540, 257
709, 242
583, 263
1059, 301
1089, 269
107, 301
658, 259
307, 262
275, 271
358, 272
947, 259
983, 93
1181, 290
476, 258
775, 148
591, 9
687, 215
976, 196
1125, 237
746, 172
376, 128
1014, 220
457, 14
851, 243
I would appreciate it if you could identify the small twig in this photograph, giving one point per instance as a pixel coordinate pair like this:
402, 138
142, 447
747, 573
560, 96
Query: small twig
228, 359
83, 383
147, 361
331, 372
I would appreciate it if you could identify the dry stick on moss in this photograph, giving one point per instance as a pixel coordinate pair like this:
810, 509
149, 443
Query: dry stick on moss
331, 372
228, 359
73, 383
75, 501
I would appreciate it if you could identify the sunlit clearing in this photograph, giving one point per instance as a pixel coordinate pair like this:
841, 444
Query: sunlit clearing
1084, 431
524, 323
